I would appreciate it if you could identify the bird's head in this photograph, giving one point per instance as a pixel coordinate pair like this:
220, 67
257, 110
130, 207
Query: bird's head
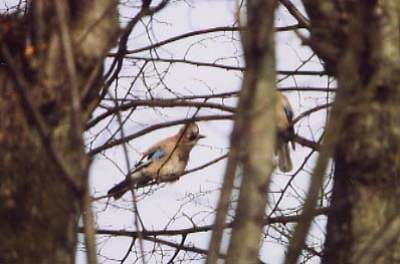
191, 133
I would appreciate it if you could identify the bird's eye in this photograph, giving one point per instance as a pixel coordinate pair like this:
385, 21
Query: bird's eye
192, 136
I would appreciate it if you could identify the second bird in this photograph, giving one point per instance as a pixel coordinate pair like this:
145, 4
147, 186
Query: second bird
284, 119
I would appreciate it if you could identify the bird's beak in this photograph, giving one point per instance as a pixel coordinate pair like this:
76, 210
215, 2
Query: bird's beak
200, 136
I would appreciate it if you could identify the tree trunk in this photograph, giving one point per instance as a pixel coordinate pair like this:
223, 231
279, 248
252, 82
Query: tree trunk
365, 37
40, 206
257, 113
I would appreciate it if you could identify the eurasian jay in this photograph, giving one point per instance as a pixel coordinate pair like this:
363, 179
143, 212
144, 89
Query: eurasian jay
163, 162
284, 118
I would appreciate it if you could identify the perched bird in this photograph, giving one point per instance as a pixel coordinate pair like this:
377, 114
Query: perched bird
162, 162
284, 118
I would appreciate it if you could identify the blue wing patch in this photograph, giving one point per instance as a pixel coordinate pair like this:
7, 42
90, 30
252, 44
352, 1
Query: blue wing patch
155, 155
288, 112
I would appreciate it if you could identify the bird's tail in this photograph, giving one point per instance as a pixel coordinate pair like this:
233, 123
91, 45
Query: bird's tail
284, 160
136, 180
120, 189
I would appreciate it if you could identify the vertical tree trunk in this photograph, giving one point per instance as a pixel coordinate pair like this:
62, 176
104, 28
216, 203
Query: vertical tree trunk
257, 112
365, 36
39, 207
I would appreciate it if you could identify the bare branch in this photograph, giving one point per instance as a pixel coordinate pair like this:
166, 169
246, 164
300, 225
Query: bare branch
156, 102
225, 67
205, 228
155, 127
201, 32
303, 21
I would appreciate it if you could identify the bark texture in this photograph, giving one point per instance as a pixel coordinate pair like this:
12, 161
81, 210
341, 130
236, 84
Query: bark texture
360, 43
39, 208
257, 138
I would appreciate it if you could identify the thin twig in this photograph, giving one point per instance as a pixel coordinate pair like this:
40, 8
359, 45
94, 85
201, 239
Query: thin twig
129, 250
128, 169
310, 111
171, 261
303, 21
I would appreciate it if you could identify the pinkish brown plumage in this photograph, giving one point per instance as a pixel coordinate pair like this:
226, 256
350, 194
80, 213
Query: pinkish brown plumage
284, 118
163, 162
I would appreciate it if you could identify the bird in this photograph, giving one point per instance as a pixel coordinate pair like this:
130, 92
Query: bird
163, 162
284, 119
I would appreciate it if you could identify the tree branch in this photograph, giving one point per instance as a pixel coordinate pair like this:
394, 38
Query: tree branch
206, 228
156, 102
155, 127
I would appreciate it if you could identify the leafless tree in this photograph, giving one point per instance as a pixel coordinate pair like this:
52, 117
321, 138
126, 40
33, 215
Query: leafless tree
86, 84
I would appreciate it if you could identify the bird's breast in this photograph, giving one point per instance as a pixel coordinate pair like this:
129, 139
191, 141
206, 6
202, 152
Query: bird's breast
163, 169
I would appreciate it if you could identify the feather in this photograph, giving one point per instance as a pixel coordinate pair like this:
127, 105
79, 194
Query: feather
149, 158
284, 160
288, 112
136, 180
156, 155
120, 189
289, 130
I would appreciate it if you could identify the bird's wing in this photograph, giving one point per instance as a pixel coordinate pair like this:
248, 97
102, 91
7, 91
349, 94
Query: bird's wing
289, 114
156, 154
149, 157
288, 109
